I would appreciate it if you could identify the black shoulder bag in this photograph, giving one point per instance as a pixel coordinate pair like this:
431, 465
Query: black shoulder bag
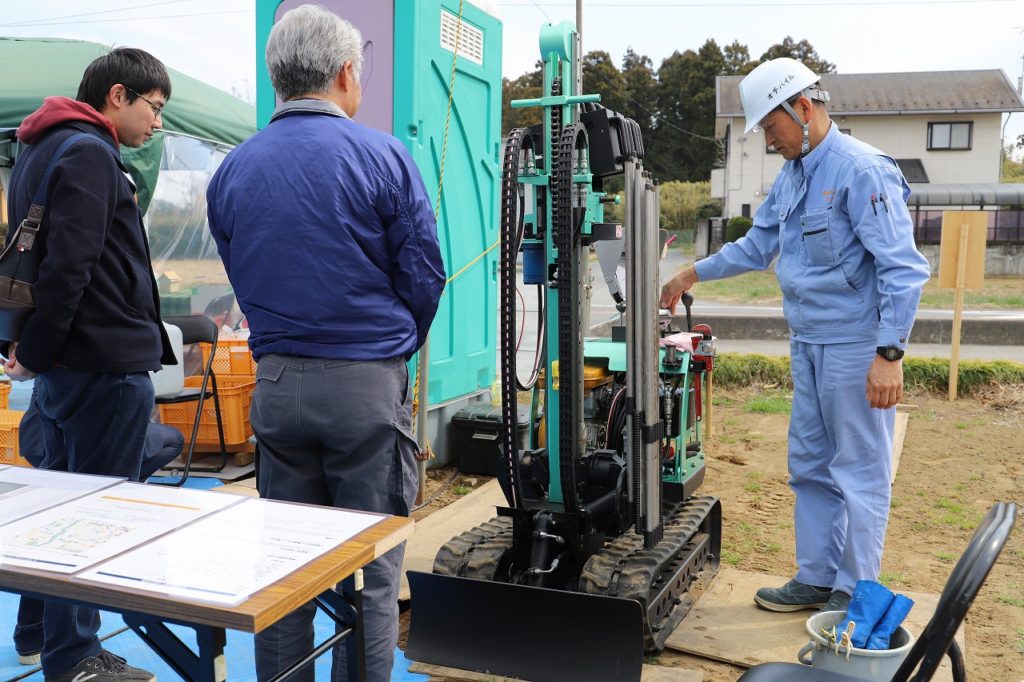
19, 262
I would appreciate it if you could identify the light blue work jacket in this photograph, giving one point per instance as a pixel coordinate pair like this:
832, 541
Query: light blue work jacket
848, 267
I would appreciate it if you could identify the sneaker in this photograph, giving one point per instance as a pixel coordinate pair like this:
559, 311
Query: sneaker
837, 601
793, 596
30, 657
104, 667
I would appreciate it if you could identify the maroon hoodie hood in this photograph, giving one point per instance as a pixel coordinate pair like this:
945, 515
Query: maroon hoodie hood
58, 111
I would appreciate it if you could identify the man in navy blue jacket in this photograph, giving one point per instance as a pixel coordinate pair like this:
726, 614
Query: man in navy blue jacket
329, 240
95, 332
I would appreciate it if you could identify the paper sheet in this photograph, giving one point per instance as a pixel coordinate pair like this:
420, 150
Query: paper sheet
88, 530
229, 556
24, 492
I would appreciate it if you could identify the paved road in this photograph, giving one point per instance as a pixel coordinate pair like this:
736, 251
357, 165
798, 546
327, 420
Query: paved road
603, 308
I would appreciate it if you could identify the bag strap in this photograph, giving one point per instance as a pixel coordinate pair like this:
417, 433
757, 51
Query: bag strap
29, 227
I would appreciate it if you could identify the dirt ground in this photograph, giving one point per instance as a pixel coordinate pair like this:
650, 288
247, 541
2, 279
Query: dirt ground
958, 458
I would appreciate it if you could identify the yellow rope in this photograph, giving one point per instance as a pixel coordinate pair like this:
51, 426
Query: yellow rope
440, 185
471, 263
448, 115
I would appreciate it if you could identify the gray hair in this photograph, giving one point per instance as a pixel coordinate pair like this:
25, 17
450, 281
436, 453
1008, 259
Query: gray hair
307, 49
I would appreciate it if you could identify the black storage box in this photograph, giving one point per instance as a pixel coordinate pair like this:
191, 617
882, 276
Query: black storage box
475, 437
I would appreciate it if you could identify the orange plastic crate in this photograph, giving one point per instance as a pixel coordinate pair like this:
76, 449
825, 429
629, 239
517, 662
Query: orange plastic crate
235, 398
9, 421
232, 359
5, 394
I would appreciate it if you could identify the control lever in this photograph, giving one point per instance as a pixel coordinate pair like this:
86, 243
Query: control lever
687, 300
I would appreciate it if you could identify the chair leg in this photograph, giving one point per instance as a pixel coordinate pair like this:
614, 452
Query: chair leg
220, 427
191, 447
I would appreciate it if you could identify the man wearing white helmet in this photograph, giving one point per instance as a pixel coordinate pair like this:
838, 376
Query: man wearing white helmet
851, 278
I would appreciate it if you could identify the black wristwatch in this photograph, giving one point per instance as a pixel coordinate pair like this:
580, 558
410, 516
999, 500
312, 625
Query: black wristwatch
890, 353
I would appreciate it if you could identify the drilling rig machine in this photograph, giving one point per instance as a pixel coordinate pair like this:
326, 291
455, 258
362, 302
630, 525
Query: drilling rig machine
603, 542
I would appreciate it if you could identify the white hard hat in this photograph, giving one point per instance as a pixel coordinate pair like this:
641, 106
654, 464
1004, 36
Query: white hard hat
772, 83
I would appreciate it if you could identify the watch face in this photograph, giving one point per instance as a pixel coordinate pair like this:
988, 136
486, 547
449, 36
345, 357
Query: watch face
892, 354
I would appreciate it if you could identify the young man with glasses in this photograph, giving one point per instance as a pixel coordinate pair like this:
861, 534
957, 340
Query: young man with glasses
95, 332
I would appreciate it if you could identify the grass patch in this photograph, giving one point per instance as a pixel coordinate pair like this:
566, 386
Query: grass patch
947, 557
1012, 601
755, 475
462, 490
752, 487
762, 287
890, 578
999, 292
769, 405
1020, 640
750, 287
956, 514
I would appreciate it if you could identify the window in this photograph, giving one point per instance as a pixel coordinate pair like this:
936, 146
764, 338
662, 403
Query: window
950, 136
913, 170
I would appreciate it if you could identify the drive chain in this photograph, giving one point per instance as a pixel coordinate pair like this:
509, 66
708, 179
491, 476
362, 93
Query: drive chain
509, 255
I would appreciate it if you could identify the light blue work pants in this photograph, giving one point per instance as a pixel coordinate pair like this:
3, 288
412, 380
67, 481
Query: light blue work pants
840, 465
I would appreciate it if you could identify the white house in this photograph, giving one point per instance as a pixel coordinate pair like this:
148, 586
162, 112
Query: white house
944, 128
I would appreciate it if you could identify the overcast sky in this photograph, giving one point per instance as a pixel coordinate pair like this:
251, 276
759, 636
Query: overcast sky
215, 41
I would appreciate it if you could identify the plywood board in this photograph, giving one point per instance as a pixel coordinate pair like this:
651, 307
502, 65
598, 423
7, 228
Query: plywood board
650, 673
949, 248
726, 625
444, 524
899, 433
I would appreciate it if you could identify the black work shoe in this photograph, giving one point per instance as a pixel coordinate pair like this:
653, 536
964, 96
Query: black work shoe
837, 601
104, 667
29, 657
793, 596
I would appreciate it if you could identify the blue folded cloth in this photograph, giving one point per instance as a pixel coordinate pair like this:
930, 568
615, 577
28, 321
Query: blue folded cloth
894, 616
868, 605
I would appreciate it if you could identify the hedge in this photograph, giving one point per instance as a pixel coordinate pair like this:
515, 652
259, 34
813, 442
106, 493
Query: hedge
930, 374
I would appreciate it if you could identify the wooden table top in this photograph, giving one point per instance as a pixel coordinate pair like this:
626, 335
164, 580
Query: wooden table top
252, 615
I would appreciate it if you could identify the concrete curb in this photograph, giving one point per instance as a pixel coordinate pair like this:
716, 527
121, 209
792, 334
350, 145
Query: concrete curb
975, 331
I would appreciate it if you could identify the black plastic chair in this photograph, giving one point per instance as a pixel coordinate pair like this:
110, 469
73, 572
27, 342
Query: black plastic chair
197, 329
937, 639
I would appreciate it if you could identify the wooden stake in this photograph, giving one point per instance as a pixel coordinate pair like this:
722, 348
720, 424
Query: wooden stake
707, 406
958, 310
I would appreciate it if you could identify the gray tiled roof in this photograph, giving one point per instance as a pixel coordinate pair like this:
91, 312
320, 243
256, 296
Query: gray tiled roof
981, 91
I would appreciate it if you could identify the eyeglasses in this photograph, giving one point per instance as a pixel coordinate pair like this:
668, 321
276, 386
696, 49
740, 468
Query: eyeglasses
157, 109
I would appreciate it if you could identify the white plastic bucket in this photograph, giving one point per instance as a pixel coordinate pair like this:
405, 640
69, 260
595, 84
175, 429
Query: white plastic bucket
867, 664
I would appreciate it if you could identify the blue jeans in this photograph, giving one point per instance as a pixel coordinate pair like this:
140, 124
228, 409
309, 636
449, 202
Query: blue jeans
336, 433
163, 444
95, 424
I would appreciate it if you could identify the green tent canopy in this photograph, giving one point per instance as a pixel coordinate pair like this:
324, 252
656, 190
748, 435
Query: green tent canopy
35, 68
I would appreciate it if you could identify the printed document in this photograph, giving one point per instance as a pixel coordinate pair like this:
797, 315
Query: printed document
229, 556
83, 532
24, 492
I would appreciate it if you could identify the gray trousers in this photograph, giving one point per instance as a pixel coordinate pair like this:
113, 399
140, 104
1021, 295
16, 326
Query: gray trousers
336, 433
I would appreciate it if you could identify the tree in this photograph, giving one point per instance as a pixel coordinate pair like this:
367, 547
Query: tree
600, 76
802, 51
528, 86
684, 147
737, 59
641, 88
